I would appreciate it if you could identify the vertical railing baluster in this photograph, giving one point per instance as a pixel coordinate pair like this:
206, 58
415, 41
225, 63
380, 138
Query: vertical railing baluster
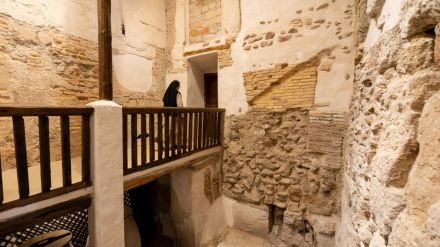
134, 157
125, 142
214, 133
185, 132
209, 129
179, 123
200, 133
217, 125
45, 173
190, 130
204, 127
173, 134
151, 124
1, 182
159, 136
221, 127
167, 135
85, 148
21, 156
143, 139
65, 151
214, 128
196, 131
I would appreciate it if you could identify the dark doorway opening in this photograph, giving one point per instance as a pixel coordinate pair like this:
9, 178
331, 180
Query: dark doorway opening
150, 207
211, 90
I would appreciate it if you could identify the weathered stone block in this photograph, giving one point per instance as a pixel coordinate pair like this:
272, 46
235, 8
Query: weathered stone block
437, 46
251, 218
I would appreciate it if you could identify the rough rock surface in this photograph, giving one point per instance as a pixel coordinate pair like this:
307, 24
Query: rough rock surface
391, 169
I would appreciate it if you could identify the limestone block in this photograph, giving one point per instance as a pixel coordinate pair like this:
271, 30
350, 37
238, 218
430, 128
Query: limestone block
418, 16
251, 218
374, 7
437, 46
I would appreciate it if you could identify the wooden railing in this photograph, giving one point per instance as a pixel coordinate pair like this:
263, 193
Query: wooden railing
153, 136
18, 116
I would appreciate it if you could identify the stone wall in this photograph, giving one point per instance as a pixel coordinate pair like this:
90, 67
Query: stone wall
48, 61
284, 86
288, 162
204, 19
390, 195
285, 98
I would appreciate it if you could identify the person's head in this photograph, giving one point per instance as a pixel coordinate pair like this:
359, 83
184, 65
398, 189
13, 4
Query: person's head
175, 84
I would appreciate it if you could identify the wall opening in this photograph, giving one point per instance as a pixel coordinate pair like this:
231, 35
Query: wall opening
202, 87
147, 215
211, 90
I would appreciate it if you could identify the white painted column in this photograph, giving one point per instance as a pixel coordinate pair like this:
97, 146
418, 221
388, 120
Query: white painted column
106, 217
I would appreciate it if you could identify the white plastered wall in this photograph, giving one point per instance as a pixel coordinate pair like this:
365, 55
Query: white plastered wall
240, 18
197, 220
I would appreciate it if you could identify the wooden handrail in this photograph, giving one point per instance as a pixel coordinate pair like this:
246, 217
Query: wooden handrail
171, 133
18, 114
146, 110
45, 111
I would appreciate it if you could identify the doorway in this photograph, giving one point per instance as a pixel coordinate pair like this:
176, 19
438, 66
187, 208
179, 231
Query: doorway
202, 86
211, 90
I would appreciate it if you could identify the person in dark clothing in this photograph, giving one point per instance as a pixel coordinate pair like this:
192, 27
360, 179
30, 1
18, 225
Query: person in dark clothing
172, 97
143, 197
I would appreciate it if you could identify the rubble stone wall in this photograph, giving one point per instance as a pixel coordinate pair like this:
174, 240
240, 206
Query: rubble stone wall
289, 162
390, 191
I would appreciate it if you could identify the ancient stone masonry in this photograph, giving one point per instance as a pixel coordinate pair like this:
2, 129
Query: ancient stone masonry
282, 87
272, 158
326, 132
224, 58
204, 19
300, 25
41, 65
388, 149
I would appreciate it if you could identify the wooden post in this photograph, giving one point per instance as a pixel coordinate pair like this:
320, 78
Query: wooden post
105, 50
43, 126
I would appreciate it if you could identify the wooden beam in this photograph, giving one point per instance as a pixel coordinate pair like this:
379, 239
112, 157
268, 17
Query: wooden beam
105, 50
43, 196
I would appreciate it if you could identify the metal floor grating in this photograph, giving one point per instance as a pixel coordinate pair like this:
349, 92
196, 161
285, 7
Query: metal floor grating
76, 223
